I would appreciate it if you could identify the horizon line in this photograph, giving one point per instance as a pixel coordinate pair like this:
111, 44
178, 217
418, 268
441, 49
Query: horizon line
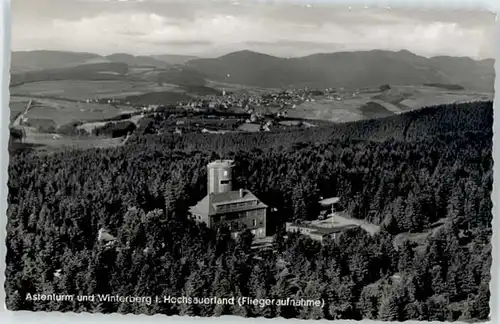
252, 51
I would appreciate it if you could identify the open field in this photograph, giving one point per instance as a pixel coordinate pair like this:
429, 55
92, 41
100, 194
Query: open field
46, 140
421, 238
83, 90
90, 126
397, 100
362, 104
17, 106
440, 99
332, 110
414, 97
238, 88
64, 112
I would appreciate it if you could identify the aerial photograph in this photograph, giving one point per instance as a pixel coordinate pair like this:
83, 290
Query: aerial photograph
250, 159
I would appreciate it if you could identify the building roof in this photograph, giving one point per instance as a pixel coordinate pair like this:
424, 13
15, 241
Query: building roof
221, 163
329, 201
233, 196
331, 230
318, 230
249, 127
207, 206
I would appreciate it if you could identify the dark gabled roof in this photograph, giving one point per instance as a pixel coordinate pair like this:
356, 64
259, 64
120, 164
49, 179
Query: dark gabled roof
203, 207
207, 205
233, 196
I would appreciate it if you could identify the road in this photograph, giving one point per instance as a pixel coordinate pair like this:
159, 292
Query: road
17, 122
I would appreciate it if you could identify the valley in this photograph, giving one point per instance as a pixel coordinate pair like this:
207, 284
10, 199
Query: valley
90, 92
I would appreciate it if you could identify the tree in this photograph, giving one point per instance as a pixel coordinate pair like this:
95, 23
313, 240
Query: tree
420, 282
369, 303
439, 286
193, 289
391, 307
415, 311
245, 240
175, 197
406, 256
437, 308
481, 306
284, 290
422, 162
221, 288
313, 291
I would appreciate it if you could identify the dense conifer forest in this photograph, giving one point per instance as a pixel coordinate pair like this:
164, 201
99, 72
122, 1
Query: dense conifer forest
424, 172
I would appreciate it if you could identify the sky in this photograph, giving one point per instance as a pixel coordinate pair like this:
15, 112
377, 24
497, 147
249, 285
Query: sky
209, 29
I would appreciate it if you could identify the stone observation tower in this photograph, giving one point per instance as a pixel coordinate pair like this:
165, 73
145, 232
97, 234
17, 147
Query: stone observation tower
237, 209
219, 175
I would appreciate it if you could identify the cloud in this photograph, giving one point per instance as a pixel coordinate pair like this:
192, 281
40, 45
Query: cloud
289, 32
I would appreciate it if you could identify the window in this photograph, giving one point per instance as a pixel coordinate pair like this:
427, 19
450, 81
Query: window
225, 173
224, 182
199, 217
254, 222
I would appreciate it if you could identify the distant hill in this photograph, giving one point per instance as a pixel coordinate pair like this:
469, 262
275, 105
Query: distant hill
343, 69
136, 60
174, 59
184, 76
465, 71
346, 69
91, 72
40, 60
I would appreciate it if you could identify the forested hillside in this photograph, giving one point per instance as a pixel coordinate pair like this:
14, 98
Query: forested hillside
404, 173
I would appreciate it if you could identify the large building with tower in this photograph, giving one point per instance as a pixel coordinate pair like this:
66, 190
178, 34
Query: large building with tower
238, 209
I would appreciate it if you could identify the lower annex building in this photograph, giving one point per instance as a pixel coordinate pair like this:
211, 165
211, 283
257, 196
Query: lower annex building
238, 209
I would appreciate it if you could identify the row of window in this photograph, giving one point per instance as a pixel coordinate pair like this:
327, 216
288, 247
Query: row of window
238, 226
236, 205
240, 216
258, 232
251, 213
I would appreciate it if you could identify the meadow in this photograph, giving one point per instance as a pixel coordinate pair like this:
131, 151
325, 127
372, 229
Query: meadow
82, 89
396, 100
17, 106
63, 112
